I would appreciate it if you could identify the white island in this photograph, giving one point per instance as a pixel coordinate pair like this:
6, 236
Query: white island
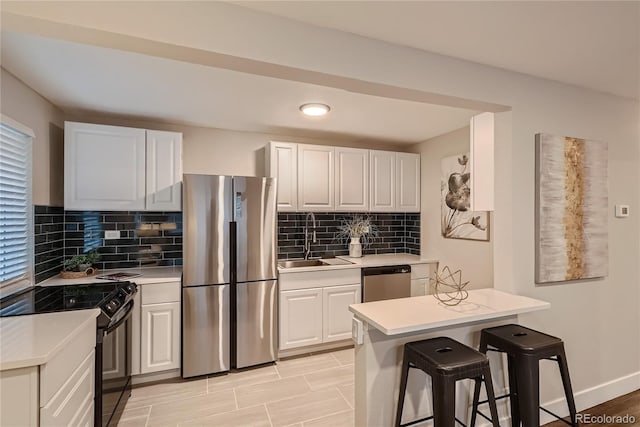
388, 325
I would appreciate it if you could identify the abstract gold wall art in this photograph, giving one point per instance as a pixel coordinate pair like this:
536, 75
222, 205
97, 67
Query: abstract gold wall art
571, 209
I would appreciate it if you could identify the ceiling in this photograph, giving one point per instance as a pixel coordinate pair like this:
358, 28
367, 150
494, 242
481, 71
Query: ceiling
84, 78
589, 44
593, 44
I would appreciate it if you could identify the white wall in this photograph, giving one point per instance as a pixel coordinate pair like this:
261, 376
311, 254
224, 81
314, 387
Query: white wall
23, 104
598, 319
474, 258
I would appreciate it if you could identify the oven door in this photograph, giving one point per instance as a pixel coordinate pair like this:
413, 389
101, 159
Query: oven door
114, 387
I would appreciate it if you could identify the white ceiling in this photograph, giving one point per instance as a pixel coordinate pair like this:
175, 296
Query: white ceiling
85, 78
590, 44
593, 44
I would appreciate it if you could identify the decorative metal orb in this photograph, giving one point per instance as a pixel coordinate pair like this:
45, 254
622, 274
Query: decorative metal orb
448, 287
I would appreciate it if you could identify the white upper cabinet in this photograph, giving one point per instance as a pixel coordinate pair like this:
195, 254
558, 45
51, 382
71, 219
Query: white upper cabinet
315, 178
324, 178
164, 170
104, 167
282, 163
120, 168
352, 179
407, 182
383, 181
482, 162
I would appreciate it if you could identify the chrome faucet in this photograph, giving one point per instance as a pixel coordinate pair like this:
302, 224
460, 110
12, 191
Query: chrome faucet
307, 242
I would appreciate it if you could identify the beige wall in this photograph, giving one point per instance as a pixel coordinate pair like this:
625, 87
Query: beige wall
223, 152
474, 258
26, 106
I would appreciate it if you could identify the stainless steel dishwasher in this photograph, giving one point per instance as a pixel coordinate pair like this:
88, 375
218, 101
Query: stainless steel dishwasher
379, 283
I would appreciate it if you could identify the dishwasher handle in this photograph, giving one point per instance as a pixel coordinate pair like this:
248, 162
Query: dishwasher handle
389, 269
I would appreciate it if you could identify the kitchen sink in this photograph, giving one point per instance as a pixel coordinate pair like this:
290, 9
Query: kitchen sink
293, 263
301, 263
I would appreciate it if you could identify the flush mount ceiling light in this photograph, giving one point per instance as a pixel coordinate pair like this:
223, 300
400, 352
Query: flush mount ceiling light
314, 109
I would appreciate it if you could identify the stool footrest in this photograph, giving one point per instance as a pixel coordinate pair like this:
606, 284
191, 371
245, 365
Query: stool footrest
482, 402
555, 415
410, 423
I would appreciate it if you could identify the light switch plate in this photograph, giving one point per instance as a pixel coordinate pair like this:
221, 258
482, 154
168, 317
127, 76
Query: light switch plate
111, 234
622, 211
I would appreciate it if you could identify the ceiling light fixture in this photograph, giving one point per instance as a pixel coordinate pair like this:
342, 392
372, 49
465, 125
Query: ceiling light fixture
314, 109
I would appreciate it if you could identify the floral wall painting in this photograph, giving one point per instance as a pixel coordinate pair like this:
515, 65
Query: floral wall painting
458, 222
571, 209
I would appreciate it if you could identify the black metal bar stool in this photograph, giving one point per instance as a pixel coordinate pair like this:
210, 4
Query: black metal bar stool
525, 348
446, 361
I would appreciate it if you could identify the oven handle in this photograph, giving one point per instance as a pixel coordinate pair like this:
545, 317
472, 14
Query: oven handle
122, 320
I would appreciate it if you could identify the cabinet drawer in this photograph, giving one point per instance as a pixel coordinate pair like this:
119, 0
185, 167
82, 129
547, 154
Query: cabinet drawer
319, 279
157, 293
421, 271
69, 405
56, 371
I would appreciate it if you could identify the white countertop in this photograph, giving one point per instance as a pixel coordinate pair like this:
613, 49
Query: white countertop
422, 313
364, 261
34, 339
147, 275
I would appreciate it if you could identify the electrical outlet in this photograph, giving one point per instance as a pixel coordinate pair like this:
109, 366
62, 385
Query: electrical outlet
111, 234
357, 331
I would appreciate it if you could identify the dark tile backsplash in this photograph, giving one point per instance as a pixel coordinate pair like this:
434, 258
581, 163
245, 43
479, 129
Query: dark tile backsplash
48, 231
147, 239
397, 233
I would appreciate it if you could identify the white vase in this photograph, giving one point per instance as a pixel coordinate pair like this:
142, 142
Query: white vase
355, 248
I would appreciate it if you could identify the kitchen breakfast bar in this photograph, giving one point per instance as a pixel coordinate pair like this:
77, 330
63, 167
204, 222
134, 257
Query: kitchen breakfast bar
387, 325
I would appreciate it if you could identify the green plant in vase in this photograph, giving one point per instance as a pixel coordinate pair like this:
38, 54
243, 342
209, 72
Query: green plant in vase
81, 262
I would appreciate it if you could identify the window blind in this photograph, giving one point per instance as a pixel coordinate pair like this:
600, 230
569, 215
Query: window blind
16, 216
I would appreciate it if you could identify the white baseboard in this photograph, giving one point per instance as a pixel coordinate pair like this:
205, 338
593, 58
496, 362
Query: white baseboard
593, 396
155, 376
584, 399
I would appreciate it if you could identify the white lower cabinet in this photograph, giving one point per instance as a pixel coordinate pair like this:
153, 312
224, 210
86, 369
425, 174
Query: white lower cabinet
160, 334
336, 316
156, 330
59, 392
314, 306
72, 405
19, 404
300, 318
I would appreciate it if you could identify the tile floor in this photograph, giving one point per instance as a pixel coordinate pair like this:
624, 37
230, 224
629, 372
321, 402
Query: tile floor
315, 390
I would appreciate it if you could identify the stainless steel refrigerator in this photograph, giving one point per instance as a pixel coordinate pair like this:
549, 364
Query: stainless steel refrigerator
229, 283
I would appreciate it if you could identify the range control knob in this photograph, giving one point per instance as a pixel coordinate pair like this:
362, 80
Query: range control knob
112, 306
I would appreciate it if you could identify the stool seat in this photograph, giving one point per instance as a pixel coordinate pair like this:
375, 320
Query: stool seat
518, 339
445, 356
446, 361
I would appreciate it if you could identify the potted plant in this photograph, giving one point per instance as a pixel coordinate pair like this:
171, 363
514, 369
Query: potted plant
81, 262
357, 230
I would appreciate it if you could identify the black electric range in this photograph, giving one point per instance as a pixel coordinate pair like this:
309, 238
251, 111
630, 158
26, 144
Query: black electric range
113, 335
109, 297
